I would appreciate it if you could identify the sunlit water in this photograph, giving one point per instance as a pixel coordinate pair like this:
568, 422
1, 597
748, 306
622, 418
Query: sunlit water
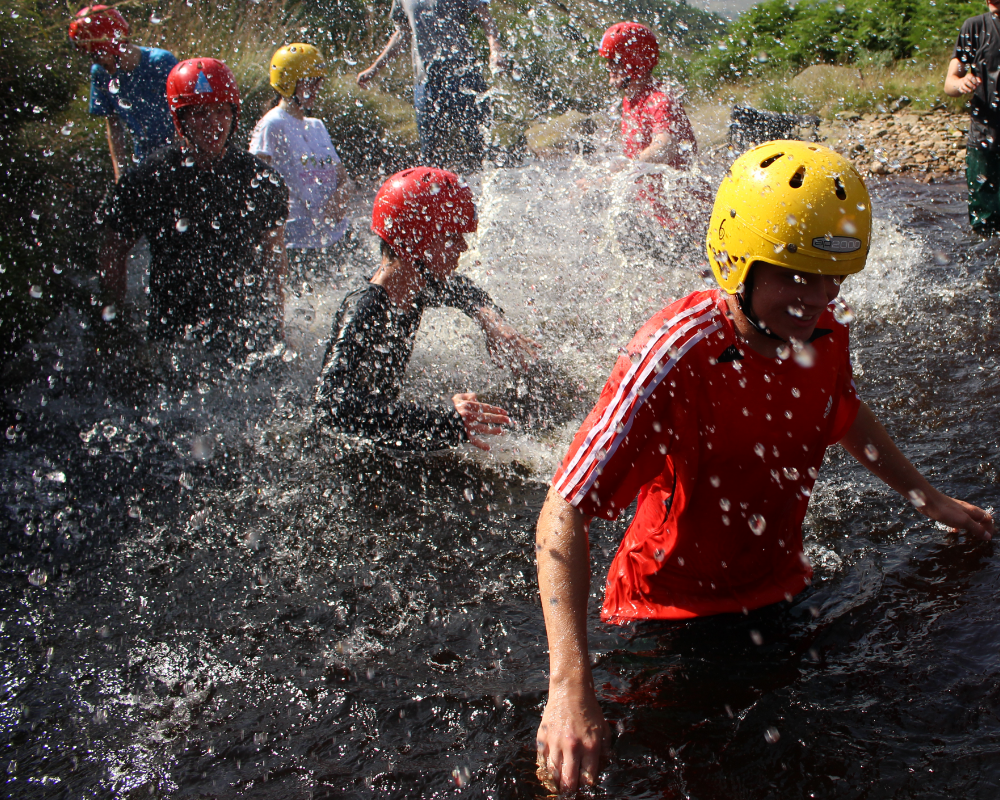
206, 598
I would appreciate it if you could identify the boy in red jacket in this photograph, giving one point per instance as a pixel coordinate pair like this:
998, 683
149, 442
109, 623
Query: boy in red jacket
718, 420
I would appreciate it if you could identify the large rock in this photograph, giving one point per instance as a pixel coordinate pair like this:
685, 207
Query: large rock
571, 132
820, 79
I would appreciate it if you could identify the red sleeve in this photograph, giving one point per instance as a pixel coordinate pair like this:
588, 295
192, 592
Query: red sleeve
845, 400
620, 447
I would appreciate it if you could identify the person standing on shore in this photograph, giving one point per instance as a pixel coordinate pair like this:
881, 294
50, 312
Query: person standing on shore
973, 70
718, 417
127, 84
448, 80
300, 149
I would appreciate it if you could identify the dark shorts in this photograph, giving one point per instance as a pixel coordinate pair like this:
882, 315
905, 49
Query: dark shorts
451, 115
982, 172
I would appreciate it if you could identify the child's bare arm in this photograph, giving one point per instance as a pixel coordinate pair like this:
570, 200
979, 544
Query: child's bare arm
573, 733
871, 444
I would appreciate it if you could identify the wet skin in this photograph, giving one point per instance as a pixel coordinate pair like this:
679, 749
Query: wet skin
206, 129
790, 303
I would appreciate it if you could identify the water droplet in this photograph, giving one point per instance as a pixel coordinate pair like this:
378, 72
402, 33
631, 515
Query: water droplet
812, 472
182, 224
796, 311
757, 524
189, 162
792, 220
659, 554
917, 498
124, 104
715, 481
113, 86
871, 452
804, 354
791, 473
108, 313
842, 312
724, 503
848, 227
35, 291
469, 494
186, 480
771, 735
861, 206
756, 638
155, 19
38, 577
759, 449
216, 225
783, 352
980, 178
67, 129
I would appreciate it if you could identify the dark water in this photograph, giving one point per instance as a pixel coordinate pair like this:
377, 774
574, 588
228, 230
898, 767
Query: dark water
202, 598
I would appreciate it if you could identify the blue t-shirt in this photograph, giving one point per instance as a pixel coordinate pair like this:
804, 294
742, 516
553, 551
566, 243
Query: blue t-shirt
139, 99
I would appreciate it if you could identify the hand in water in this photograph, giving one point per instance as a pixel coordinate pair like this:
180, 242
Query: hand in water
958, 515
479, 418
571, 739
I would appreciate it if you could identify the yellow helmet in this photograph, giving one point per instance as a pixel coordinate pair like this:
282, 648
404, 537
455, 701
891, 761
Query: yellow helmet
794, 204
293, 63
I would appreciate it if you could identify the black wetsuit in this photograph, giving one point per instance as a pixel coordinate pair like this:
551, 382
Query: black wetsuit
205, 228
370, 347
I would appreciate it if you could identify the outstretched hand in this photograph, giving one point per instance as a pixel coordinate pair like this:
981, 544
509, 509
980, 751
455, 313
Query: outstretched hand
479, 418
957, 514
571, 740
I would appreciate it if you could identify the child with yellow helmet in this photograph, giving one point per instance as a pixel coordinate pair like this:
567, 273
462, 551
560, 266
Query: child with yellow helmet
300, 149
718, 418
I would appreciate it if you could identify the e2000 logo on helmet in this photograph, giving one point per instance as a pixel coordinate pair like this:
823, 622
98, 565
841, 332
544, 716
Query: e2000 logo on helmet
837, 244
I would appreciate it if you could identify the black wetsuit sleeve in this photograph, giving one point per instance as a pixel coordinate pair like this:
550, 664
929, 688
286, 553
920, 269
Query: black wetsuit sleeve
458, 292
406, 425
362, 373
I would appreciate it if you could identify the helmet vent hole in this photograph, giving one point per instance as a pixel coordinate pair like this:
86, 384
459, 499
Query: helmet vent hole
770, 160
797, 178
841, 192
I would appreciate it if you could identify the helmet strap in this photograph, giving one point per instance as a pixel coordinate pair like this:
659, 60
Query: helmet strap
744, 300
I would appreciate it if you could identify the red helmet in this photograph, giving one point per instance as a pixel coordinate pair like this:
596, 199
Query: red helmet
631, 46
99, 29
418, 207
202, 82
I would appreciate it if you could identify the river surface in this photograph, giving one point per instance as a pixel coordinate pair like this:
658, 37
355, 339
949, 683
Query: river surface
204, 597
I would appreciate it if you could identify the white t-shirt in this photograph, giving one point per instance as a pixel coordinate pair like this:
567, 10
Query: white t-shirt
301, 151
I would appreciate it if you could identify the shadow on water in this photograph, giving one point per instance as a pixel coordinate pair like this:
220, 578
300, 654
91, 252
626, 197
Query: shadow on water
205, 598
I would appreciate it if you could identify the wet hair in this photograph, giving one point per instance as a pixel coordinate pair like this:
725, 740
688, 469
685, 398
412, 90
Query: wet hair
386, 250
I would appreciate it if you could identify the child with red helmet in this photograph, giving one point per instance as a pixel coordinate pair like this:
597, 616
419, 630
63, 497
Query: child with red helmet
127, 84
654, 128
421, 216
716, 423
213, 215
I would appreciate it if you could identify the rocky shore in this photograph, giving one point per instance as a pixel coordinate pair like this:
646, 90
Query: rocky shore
926, 145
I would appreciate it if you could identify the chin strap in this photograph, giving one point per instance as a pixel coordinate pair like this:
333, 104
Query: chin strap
744, 300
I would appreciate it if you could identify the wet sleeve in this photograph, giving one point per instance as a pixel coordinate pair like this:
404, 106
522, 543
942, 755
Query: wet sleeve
965, 47
273, 206
668, 117
461, 293
401, 424
846, 401
265, 139
101, 104
624, 442
347, 402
